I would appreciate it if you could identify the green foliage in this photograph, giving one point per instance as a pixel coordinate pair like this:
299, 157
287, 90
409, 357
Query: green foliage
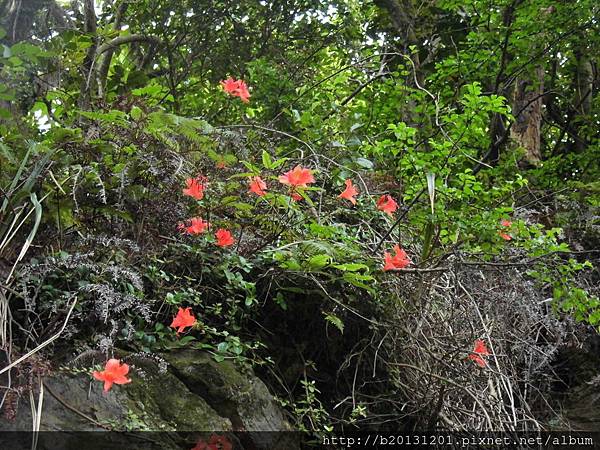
309, 410
96, 164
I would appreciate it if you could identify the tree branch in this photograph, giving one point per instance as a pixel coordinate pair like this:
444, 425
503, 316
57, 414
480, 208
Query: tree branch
120, 40
102, 72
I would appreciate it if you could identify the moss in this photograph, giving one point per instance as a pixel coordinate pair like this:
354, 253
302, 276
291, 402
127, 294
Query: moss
239, 396
169, 405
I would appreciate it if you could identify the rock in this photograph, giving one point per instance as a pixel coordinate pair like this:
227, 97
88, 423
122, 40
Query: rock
578, 392
241, 397
196, 394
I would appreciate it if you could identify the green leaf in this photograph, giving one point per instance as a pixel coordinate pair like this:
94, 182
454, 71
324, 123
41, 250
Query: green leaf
318, 261
335, 320
428, 240
136, 113
365, 163
266, 160
359, 280
223, 347
290, 264
351, 267
241, 206
251, 167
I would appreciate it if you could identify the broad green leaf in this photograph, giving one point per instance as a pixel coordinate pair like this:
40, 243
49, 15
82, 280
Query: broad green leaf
318, 261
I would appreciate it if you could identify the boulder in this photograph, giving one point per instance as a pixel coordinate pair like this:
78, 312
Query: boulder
194, 398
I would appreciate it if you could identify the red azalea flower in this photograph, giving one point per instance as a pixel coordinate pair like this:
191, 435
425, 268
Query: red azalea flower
399, 261
197, 226
350, 192
243, 92
215, 442
479, 351
114, 372
258, 186
230, 85
297, 177
195, 187
387, 204
183, 319
237, 88
224, 238
506, 224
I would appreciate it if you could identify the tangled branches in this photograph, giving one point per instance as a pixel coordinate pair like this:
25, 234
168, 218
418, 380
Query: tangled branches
422, 348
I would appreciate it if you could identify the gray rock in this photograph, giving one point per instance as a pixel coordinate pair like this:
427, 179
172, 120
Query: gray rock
196, 394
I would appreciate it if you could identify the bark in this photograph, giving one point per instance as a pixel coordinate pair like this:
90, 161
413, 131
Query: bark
498, 130
17, 17
403, 17
404, 20
582, 101
90, 57
106, 51
527, 103
105, 60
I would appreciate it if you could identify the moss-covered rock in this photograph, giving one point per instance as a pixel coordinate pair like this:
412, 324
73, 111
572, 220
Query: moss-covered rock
240, 396
236, 394
195, 394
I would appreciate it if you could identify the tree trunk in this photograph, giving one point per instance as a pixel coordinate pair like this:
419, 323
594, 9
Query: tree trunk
527, 107
18, 16
582, 101
87, 69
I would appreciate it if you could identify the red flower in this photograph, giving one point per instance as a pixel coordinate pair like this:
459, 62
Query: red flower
387, 204
197, 226
224, 238
479, 350
243, 92
296, 197
183, 319
195, 187
237, 88
258, 186
114, 372
506, 224
399, 261
297, 177
349, 192
215, 442
230, 85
